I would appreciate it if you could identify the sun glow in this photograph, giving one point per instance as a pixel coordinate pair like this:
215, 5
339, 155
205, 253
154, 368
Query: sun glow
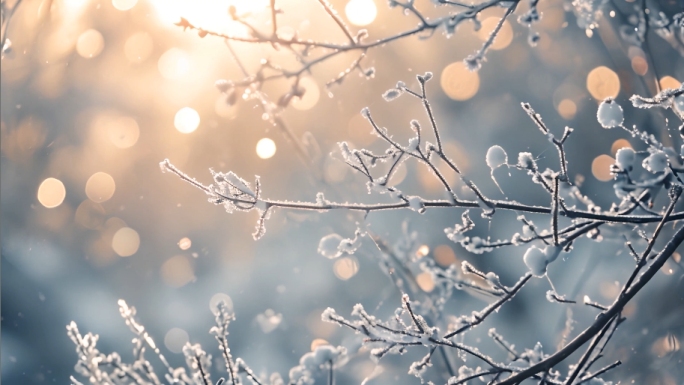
208, 14
361, 12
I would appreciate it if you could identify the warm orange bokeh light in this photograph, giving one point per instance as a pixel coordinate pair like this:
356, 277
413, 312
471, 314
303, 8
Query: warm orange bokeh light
345, 268
600, 167
100, 187
459, 83
425, 281
185, 243
567, 109
602, 82
90, 44
126, 242
669, 82
51, 193
639, 65
618, 144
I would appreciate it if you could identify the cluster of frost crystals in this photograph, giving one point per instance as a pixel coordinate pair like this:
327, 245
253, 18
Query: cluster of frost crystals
588, 13
457, 233
233, 192
199, 362
657, 162
334, 246
625, 158
325, 357
528, 19
667, 98
526, 162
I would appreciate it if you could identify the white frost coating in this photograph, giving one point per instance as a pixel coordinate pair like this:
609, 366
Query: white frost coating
526, 161
536, 261
413, 144
329, 246
656, 162
416, 204
610, 114
625, 157
329, 315
551, 253
392, 94
239, 183
496, 157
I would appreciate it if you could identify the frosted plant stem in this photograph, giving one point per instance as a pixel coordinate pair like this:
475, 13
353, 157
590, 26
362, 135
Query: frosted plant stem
604, 317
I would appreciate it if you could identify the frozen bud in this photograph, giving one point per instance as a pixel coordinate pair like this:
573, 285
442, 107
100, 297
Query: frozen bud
535, 260
533, 39
624, 158
526, 161
415, 126
365, 112
424, 78
609, 114
223, 85
496, 157
392, 94
473, 62
656, 162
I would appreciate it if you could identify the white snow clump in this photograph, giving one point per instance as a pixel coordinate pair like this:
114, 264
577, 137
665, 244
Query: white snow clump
656, 162
624, 158
536, 259
610, 114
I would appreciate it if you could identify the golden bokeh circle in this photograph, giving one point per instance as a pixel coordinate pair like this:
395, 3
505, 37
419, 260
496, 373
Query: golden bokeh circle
51, 193
345, 268
567, 109
90, 44
602, 82
125, 242
100, 187
600, 167
458, 82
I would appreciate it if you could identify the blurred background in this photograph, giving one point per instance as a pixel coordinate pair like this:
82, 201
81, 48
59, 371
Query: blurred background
96, 93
